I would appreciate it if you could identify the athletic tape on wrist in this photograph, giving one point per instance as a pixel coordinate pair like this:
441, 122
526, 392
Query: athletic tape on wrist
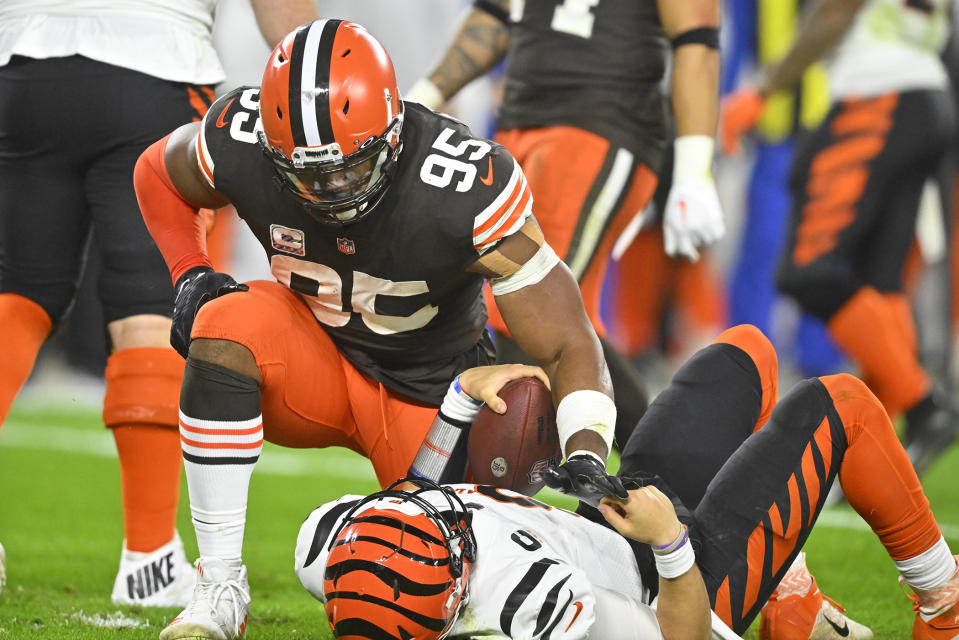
426, 93
586, 452
459, 405
677, 562
534, 270
586, 409
437, 448
452, 422
693, 158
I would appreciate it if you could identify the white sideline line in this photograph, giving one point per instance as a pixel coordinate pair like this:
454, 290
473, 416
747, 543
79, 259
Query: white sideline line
336, 462
333, 462
846, 518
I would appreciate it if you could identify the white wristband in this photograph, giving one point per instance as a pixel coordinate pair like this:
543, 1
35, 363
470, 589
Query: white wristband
586, 409
693, 158
677, 562
459, 405
426, 93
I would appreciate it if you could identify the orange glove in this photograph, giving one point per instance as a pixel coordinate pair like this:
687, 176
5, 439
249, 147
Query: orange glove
739, 113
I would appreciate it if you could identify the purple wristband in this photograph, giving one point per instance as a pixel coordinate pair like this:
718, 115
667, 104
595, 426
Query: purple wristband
675, 544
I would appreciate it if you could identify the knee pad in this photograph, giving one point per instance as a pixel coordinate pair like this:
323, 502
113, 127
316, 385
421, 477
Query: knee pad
143, 387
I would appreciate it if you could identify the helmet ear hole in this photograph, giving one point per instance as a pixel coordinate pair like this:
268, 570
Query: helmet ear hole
280, 57
346, 108
346, 53
279, 113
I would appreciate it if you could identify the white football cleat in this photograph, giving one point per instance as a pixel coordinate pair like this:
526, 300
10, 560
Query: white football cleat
221, 602
160, 578
3, 568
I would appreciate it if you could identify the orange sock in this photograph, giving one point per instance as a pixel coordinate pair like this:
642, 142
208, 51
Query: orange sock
876, 475
763, 354
901, 312
870, 330
25, 326
141, 406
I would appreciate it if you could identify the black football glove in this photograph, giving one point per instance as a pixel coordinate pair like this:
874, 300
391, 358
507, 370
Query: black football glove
193, 289
584, 477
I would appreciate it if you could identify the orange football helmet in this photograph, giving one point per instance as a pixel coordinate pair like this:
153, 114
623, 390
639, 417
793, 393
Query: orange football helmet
332, 117
398, 566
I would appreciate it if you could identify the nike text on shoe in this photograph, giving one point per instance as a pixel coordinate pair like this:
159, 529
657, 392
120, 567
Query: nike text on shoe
221, 602
937, 611
160, 578
797, 610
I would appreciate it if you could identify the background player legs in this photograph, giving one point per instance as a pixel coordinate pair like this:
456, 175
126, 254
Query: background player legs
25, 328
752, 292
856, 194
143, 372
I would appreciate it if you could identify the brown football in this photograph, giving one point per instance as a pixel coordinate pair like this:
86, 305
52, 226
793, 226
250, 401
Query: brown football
510, 450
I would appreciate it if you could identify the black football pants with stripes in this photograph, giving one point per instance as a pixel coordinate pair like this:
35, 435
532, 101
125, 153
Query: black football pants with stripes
699, 436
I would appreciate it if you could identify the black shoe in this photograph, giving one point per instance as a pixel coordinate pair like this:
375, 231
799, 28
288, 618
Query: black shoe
931, 426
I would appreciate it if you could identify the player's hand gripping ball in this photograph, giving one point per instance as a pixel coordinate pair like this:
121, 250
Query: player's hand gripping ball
511, 450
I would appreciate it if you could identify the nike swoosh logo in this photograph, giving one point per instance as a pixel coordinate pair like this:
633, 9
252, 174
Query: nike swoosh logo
488, 180
579, 608
220, 122
843, 630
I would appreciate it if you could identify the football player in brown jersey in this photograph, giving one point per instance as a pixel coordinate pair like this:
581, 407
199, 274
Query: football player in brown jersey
381, 221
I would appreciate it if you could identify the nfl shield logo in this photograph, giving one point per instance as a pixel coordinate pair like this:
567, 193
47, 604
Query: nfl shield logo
346, 246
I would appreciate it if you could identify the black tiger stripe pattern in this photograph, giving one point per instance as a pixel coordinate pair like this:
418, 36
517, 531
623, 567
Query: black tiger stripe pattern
433, 624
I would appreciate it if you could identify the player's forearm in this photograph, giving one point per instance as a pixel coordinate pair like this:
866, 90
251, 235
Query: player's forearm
276, 18
682, 608
178, 231
442, 456
695, 90
820, 32
479, 45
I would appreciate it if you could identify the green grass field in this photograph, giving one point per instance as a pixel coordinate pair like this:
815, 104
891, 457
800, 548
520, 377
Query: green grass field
60, 521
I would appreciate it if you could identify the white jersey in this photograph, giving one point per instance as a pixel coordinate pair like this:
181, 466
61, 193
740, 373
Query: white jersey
892, 45
169, 39
540, 572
